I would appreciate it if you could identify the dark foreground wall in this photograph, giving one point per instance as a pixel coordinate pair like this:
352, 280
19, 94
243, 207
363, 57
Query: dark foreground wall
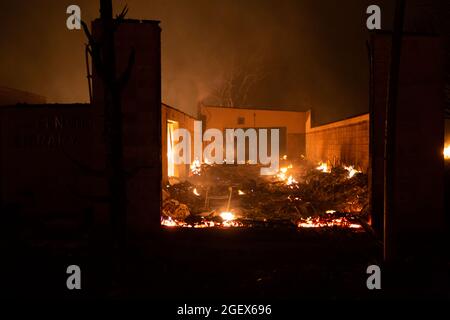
42, 149
52, 157
418, 212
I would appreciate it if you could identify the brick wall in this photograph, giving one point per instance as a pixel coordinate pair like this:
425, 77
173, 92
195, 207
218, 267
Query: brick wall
341, 142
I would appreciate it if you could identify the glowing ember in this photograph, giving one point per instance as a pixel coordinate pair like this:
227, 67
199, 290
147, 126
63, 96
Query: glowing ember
290, 181
169, 222
196, 167
232, 223
229, 222
282, 175
318, 222
447, 152
351, 171
323, 166
279, 200
227, 216
285, 157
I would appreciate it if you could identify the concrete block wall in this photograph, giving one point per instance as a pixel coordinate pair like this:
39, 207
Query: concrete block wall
341, 142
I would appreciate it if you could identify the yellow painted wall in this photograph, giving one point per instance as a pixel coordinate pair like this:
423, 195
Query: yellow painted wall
294, 121
222, 117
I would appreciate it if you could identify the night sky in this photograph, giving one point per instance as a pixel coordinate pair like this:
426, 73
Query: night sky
310, 54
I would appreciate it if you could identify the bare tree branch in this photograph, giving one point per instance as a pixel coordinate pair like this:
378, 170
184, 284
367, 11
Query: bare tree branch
237, 82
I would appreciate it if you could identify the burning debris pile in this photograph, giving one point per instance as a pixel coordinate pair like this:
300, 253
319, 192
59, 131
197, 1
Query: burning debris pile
299, 195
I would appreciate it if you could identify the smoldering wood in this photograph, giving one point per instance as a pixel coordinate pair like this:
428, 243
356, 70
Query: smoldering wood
264, 201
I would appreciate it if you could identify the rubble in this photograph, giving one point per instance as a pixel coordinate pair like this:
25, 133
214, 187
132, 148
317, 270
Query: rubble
300, 195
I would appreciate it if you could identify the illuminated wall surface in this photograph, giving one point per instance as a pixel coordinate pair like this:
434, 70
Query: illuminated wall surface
342, 142
178, 119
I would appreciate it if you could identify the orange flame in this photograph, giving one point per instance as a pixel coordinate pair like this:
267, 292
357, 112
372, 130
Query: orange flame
447, 152
323, 166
